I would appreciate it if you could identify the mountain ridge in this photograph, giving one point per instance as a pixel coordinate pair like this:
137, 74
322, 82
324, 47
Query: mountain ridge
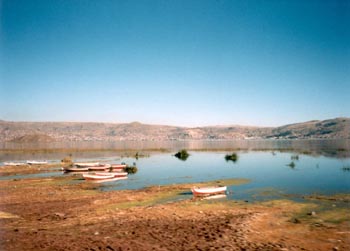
10, 131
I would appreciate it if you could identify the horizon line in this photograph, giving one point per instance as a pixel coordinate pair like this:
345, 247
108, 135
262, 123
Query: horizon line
217, 125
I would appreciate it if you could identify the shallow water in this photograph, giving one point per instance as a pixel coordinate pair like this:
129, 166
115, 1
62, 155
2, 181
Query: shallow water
320, 168
339, 148
269, 174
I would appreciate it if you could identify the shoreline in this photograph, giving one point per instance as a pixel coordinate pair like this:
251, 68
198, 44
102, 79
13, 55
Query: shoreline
56, 214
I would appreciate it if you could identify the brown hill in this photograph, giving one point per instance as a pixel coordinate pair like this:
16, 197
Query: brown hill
338, 128
33, 138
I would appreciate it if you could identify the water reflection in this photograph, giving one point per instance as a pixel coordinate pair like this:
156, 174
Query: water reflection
137, 149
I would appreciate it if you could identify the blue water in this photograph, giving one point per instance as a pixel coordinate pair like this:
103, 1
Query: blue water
265, 171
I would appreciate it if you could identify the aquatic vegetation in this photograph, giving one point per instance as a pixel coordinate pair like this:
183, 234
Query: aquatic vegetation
346, 168
294, 157
140, 155
341, 150
291, 164
131, 169
182, 155
231, 157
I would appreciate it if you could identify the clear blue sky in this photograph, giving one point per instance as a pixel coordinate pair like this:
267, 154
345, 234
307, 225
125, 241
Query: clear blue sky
177, 62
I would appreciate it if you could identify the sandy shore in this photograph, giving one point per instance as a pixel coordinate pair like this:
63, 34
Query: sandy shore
58, 214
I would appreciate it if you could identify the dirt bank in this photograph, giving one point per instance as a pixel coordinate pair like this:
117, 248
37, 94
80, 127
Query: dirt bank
58, 214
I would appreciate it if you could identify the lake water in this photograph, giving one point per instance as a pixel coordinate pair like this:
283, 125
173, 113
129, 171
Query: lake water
266, 171
321, 169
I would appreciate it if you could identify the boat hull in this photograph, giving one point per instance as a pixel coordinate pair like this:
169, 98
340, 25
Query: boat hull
33, 162
207, 191
97, 177
77, 169
98, 168
115, 174
118, 166
14, 164
87, 164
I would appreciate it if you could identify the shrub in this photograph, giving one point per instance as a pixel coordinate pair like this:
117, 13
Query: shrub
231, 157
182, 155
294, 157
131, 169
291, 164
67, 161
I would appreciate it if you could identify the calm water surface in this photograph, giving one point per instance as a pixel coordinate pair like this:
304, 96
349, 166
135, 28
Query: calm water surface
320, 169
267, 172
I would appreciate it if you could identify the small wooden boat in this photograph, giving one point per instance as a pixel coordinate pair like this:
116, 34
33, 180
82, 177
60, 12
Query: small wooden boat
102, 178
97, 177
115, 174
100, 167
14, 163
118, 166
76, 169
34, 162
87, 164
109, 180
205, 191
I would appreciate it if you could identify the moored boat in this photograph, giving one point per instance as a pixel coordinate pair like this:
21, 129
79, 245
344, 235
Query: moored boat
115, 174
109, 180
76, 169
118, 166
87, 164
205, 191
14, 163
100, 167
102, 178
97, 177
35, 162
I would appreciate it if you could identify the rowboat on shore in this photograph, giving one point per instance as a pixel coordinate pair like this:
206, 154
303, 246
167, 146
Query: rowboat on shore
76, 169
97, 177
14, 163
102, 178
109, 180
115, 174
206, 191
35, 162
118, 166
100, 167
87, 164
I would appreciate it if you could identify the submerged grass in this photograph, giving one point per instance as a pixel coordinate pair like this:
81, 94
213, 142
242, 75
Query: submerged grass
160, 194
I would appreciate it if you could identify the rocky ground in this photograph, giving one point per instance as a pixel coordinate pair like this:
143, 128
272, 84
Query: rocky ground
65, 213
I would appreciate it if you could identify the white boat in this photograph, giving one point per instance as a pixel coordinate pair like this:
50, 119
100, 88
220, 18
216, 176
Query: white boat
102, 178
115, 174
205, 191
14, 163
76, 169
87, 164
100, 167
97, 177
109, 180
35, 162
118, 166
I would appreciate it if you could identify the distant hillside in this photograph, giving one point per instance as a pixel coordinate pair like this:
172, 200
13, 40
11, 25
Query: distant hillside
338, 128
332, 128
33, 138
